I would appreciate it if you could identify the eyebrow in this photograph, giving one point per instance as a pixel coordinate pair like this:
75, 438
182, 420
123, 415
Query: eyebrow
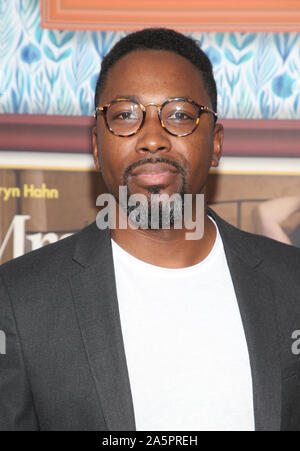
132, 98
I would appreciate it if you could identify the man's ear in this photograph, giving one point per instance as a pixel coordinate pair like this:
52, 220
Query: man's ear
95, 149
218, 145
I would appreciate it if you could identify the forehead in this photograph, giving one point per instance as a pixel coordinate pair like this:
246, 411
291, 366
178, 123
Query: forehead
154, 75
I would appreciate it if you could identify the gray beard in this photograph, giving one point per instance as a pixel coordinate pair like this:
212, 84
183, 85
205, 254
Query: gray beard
161, 216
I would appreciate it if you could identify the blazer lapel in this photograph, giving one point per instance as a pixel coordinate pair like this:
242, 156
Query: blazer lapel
94, 293
256, 304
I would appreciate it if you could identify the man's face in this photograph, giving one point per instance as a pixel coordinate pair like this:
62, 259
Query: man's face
175, 164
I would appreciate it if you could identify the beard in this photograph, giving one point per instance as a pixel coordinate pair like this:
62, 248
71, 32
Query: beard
154, 213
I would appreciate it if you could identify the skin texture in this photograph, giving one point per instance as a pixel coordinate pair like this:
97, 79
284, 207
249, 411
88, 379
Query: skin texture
154, 76
269, 216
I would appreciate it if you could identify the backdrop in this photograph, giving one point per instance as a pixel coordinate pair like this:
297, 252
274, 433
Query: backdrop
48, 185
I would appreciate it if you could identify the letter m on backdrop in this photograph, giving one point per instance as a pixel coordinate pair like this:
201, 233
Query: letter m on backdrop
2, 342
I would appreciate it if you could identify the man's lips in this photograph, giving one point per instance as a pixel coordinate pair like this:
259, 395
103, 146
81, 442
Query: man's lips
154, 173
154, 168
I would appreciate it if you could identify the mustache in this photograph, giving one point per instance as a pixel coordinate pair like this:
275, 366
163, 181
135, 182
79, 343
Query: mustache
136, 164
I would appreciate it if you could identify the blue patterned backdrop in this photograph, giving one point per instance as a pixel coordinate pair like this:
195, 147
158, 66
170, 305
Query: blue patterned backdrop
54, 72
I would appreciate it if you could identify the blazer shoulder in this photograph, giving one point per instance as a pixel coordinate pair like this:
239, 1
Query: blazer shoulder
258, 247
51, 259
273, 250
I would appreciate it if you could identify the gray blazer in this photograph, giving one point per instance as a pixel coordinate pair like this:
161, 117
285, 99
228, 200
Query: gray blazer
64, 366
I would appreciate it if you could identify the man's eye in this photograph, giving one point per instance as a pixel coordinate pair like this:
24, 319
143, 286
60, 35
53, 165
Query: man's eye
179, 116
125, 115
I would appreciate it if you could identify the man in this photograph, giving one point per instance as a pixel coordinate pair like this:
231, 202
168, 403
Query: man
140, 328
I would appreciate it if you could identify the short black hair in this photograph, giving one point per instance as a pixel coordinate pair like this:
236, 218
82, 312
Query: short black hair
160, 39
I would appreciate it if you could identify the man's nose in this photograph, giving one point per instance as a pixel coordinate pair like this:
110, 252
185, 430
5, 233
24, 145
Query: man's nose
152, 137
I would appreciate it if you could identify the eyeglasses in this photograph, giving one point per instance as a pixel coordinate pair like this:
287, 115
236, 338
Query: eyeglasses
179, 116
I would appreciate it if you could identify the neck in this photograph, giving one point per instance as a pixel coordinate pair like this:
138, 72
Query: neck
168, 248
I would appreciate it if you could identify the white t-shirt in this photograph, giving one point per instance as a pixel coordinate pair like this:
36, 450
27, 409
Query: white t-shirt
185, 345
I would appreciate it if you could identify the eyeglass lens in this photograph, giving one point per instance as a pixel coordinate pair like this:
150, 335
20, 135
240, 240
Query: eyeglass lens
125, 117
